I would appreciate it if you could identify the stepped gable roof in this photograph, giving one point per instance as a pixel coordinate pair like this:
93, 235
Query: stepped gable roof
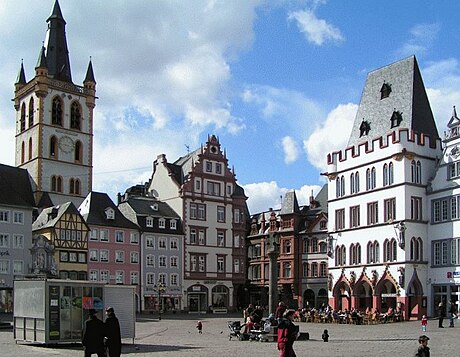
93, 211
51, 215
16, 187
290, 204
397, 91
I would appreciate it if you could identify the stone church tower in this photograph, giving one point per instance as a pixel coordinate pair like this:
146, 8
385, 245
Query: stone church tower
54, 122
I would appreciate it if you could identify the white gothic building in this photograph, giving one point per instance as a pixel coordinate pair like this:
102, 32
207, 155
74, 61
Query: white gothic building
54, 122
379, 241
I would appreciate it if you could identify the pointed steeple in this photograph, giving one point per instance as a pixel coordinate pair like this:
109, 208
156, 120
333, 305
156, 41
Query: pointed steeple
57, 53
89, 73
21, 79
454, 120
41, 62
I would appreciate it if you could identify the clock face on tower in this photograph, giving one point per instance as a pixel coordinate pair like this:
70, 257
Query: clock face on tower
66, 144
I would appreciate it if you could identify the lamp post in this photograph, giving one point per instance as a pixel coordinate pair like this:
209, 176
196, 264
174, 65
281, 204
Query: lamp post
161, 288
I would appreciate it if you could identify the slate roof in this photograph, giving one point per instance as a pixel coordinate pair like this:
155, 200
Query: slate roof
290, 204
51, 215
184, 165
94, 213
407, 96
15, 187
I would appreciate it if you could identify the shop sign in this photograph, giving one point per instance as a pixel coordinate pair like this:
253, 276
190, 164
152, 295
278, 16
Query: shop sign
389, 295
453, 274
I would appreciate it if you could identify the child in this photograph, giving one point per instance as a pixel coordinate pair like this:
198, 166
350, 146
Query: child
424, 323
325, 336
199, 326
423, 350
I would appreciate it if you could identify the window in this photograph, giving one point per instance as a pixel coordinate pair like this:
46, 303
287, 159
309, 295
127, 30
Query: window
119, 277
416, 208
4, 266
119, 256
201, 237
104, 276
162, 261
93, 255
355, 254
220, 239
104, 255
173, 279
208, 166
220, 214
4, 240
197, 185
104, 235
354, 182
75, 116
453, 170
172, 224
340, 219
82, 258
388, 174
389, 209
23, 117
56, 111
93, 234
202, 212
18, 217
134, 278
18, 267
193, 239
220, 264
119, 236
149, 221
390, 250
416, 171
370, 179
373, 254
93, 275
162, 243
287, 247
340, 186
213, 188
236, 241
134, 238
286, 270
18, 241
236, 266
31, 112
56, 183
416, 249
78, 151
218, 168
134, 257
150, 279
174, 244
30, 149
162, 278
150, 260
162, 223
385, 91
314, 269
354, 216
197, 211
372, 213
173, 262
4, 216
236, 215
149, 242
53, 147
201, 263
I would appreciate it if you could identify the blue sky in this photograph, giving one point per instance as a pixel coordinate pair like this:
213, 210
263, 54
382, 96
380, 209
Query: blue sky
277, 81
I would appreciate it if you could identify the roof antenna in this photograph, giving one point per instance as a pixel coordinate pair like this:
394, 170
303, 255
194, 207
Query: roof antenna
188, 148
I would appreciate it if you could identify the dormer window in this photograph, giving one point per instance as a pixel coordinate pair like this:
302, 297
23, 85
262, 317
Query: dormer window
172, 224
385, 90
364, 128
110, 213
396, 118
161, 223
149, 222
154, 206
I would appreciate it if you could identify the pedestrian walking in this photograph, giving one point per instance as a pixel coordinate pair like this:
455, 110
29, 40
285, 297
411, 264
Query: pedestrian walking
279, 312
424, 323
199, 327
441, 314
93, 336
423, 350
112, 333
452, 313
287, 334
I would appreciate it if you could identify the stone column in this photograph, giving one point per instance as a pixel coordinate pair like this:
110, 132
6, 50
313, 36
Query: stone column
273, 252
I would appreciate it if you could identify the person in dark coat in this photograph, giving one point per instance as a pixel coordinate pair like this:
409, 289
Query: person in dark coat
93, 336
279, 312
112, 332
423, 350
442, 314
287, 334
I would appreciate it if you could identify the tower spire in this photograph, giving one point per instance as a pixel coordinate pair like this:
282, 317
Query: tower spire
57, 53
21, 79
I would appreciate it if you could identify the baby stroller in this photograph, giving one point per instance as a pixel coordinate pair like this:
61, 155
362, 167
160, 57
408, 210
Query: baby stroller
235, 329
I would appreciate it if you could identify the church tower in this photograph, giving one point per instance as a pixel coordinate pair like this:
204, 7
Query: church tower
54, 122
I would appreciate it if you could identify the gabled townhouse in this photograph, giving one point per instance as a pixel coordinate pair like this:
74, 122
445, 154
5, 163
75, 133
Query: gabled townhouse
60, 236
16, 214
443, 211
113, 243
161, 250
204, 192
301, 235
379, 244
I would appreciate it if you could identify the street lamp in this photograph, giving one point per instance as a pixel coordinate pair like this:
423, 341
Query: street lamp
161, 288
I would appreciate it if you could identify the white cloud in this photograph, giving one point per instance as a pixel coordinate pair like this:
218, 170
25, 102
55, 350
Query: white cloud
422, 37
291, 149
331, 135
265, 195
316, 31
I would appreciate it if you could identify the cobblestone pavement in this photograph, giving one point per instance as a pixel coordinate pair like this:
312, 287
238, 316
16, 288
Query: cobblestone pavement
177, 336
